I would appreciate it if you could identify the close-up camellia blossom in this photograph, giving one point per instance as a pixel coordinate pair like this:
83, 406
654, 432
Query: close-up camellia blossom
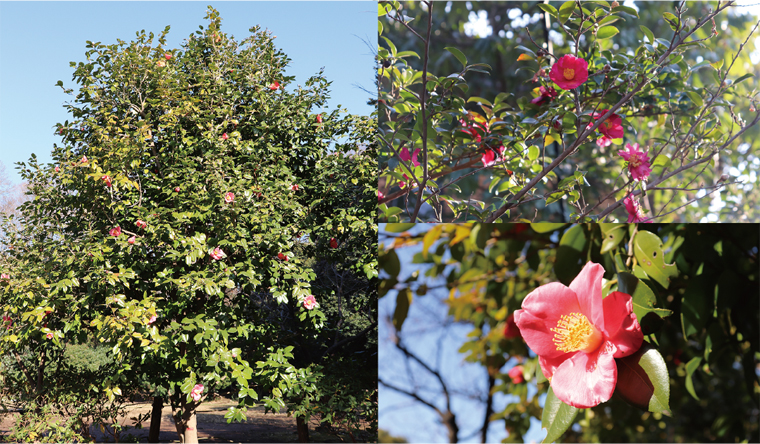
115, 231
516, 374
638, 161
569, 72
489, 157
635, 212
309, 302
141, 224
577, 335
229, 197
217, 254
612, 128
546, 94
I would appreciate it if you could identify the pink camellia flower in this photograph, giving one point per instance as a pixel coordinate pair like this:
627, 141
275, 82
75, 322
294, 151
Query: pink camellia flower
274, 86
234, 353
5, 276
161, 63
60, 131
635, 212
510, 330
176, 189
141, 224
152, 319
404, 155
516, 374
380, 195
309, 302
229, 197
107, 180
84, 159
402, 184
294, 187
569, 72
319, 118
546, 94
57, 169
196, 392
333, 243
604, 141
612, 127
638, 161
282, 257
577, 335
131, 240
49, 335
216, 254
167, 56
115, 231
225, 136
489, 157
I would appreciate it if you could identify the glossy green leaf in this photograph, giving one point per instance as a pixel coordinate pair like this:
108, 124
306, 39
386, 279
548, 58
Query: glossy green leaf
545, 227
549, 9
566, 10
644, 301
743, 78
458, 54
691, 366
649, 35
672, 20
390, 263
626, 10
606, 32
612, 234
569, 254
398, 228
647, 248
643, 380
557, 417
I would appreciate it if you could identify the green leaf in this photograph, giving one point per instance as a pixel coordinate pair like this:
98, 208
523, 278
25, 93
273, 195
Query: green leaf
649, 35
647, 249
398, 228
606, 32
613, 234
549, 9
571, 245
644, 299
691, 366
672, 21
480, 100
743, 78
533, 153
403, 300
557, 417
390, 263
566, 10
643, 380
545, 227
695, 98
626, 10
458, 54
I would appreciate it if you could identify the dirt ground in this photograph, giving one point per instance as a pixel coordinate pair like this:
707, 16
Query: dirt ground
212, 427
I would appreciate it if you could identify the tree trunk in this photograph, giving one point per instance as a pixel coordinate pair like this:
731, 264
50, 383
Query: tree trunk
155, 419
303, 429
186, 423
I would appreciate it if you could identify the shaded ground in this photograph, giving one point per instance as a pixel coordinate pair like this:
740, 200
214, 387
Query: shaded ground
212, 427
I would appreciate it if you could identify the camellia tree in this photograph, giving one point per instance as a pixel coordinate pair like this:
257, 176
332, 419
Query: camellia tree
586, 110
627, 332
167, 229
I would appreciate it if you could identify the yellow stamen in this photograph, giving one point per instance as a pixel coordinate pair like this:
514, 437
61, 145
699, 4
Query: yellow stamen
634, 161
574, 332
569, 74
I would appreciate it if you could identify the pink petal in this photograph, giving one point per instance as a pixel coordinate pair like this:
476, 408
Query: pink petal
623, 329
541, 311
588, 288
549, 365
586, 380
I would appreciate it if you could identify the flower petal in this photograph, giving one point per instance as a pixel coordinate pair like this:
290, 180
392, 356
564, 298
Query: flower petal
586, 380
623, 329
588, 288
541, 311
549, 365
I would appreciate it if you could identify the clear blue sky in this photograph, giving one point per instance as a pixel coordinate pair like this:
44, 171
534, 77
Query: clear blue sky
39, 39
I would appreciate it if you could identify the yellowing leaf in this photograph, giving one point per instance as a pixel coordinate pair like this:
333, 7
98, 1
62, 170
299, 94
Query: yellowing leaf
524, 57
548, 140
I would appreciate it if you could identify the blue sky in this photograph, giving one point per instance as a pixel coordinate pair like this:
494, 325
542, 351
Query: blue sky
39, 39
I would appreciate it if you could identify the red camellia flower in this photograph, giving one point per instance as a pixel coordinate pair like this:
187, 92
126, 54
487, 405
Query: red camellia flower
57, 169
638, 161
141, 224
294, 187
404, 155
196, 392
131, 240
380, 195
229, 197
546, 94
152, 319
402, 184
309, 302
115, 231
577, 335
510, 330
569, 72
274, 85
167, 56
612, 127
282, 257
319, 118
635, 212
107, 180
516, 374
217, 254
333, 243
489, 157
176, 189
225, 136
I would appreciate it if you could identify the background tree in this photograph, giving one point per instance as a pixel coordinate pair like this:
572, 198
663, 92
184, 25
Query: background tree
168, 227
483, 88
688, 303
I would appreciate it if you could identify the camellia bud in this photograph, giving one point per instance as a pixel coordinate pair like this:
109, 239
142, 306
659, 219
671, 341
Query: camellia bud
607, 68
614, 5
